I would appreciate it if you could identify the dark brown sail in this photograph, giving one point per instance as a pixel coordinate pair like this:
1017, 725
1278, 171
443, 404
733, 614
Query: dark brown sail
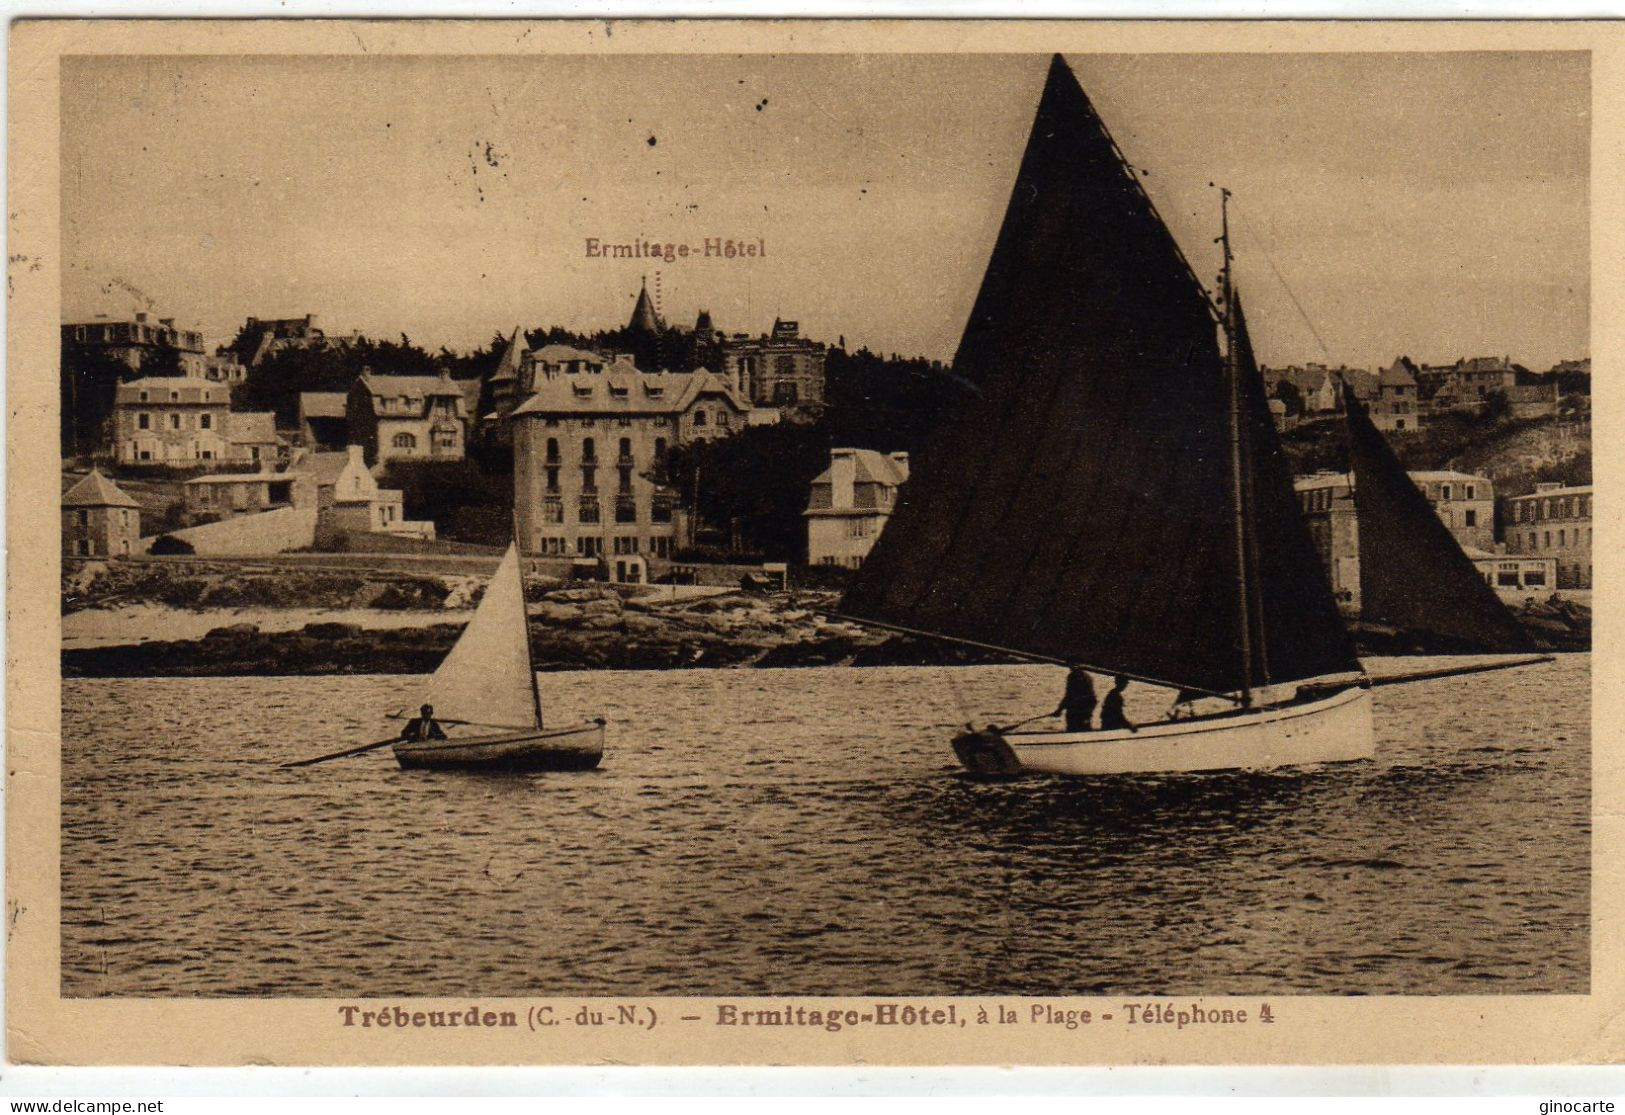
1298, 631
1078, 504
1413, 573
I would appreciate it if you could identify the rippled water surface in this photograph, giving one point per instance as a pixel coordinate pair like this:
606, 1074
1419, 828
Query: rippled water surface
805, 831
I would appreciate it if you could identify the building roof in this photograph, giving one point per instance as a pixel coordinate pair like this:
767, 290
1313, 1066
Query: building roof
564, 354
1333, 479
96, 490
251, 427
324, 467
191, 389
1433, 476
1396, 375
416, 388
870, 468
236, 478
1579, 490
322, 404
622, 389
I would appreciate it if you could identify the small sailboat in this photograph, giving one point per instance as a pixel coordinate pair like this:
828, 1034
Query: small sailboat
1113, 494
487, 684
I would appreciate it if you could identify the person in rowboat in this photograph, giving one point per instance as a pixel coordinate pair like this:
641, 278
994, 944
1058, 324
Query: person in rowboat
1111, 712
424, 727
1079, 700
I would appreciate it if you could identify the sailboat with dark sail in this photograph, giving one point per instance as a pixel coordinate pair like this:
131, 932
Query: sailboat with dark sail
1113, 495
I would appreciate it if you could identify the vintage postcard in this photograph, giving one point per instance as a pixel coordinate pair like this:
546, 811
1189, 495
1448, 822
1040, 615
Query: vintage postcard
812, 543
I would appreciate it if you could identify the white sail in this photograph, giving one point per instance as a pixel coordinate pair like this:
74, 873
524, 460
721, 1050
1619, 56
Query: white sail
486, 679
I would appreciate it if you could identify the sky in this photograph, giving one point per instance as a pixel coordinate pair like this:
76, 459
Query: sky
1428, 204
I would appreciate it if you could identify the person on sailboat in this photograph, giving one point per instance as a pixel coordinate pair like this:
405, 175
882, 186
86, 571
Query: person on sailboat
1111, 712
424, 727
1079, 700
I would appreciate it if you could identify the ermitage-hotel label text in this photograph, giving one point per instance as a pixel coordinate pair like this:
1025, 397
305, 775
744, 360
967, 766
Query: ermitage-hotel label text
711, 247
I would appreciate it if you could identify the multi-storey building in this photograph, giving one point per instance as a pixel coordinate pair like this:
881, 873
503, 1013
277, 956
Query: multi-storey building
186, 420
1554, 522
99, 519
849, 504
781, 369
261, 337
1464, 503
407, 417
1396, 407
1467, 382
590, 443
139, 341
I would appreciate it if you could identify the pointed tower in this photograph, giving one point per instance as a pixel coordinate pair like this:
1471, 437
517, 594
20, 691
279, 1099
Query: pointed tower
644, 318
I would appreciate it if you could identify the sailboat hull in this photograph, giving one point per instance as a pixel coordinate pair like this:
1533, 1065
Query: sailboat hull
1330, 729
578, 748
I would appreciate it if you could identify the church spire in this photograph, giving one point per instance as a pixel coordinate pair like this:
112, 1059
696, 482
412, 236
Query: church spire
644, 318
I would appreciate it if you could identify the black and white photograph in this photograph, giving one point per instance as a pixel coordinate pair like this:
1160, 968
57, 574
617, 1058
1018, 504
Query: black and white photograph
778, 525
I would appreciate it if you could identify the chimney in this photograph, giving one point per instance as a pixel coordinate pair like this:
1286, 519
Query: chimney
843, 475
141, 317
167, 322
900, 461
356, 455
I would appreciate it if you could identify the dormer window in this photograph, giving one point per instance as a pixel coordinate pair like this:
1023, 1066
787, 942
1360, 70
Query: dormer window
618, 390
582, 390
174, 396
654, 391
143, 396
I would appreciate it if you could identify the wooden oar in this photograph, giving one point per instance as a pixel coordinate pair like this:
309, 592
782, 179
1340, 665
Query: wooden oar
342, 754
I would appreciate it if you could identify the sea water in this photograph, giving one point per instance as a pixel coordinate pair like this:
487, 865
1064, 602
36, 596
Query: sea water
807, 832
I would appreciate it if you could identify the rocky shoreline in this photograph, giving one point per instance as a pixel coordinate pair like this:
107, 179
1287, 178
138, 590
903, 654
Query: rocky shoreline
573, 627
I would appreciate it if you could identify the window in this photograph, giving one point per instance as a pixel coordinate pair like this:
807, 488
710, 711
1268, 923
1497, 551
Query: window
1562, 538
552, 510
551, 422
589, 450
784, 394
699, 418
1472, 491
660, 547
623, 421
1444, 491
205, 421
660, 450
626, 544
84, 518
404, 441
1399, 423
589, 545
626, 511
1548, 540
1534, 576
174, 396
722, 419
588, 511
552, 478
589, 478
660, 509
552, 449
445, 439
144, 396
1469, 518
626, 449
859, 528
143, 421
82, 547
625, 477
174, 421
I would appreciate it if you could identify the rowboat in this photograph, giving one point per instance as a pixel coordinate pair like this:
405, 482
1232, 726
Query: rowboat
578, 748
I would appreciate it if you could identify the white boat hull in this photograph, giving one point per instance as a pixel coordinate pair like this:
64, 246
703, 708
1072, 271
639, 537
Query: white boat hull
1332, 729
578, 748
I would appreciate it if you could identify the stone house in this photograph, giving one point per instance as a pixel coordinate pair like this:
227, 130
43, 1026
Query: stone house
421, 418
849, 504
99, 519
187, 420
1554, 522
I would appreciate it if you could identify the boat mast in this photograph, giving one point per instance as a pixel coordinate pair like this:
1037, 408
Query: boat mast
1233, 391
524, 618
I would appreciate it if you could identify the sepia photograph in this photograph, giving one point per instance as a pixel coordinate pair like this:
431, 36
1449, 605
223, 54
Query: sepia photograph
779, 525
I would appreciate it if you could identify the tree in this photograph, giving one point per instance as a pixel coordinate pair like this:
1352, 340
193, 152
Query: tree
755, 482
1288, 393
1497, 406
